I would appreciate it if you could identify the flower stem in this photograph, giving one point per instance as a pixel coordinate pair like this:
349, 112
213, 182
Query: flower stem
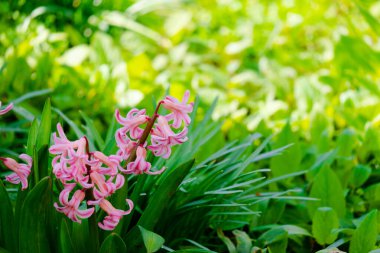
92, 221
145, 134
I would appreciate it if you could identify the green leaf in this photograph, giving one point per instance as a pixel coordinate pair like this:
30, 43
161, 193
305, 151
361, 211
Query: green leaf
364, 238
32, 137
4, 250
32, 95
359, 175
324, 221
7, 228
93, 133
45, 126
158, 202
65, 240
371, 20
276, 239
33, 219
295, 230
227, 241
327, 188
346, 142
244, 243
113, 244
290, 158
43, 162
152, 241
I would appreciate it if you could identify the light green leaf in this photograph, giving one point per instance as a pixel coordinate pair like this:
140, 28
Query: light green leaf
290, 158
359, 175
364, 238
45, 126
244, 242
327, 188
324, 221
152, 241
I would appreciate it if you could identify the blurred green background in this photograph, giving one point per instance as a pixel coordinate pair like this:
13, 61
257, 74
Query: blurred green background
305, 71
268, 61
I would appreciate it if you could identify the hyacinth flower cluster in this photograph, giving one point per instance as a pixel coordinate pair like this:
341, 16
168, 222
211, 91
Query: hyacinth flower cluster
21, 171
92, 177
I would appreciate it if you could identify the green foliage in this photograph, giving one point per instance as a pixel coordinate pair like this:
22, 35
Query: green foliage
325, 220
152, 241
364, 237
327, 188
310, 79
34, 234
113, 244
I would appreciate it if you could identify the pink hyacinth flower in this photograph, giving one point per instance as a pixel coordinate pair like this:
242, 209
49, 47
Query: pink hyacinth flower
140, 165
163, 138
124, 144
71, 208
112, 162
6, 109
62, 146
180, 110
114, 215
21, 171
105, 188
132, 122
73, 165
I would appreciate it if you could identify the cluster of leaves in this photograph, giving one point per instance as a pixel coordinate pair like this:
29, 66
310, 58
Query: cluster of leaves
311, 77
214, 193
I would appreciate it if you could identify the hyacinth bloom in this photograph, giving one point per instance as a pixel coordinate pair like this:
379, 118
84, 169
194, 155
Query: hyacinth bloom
124, 144
71, 162
132, 122
71, 207
21, 171
105, 188
75, 166
163, 138
140, 165
62, 146
112, 162
6, 109
180, 110
114, 215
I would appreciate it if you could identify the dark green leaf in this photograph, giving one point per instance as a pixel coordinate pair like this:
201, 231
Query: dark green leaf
7, 227
33, 219
113, 244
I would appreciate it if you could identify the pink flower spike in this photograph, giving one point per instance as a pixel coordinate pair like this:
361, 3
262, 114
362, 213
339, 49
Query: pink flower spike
163, 138
114, 215
180, 110
21, 171
71, 208
132, 122
6, 109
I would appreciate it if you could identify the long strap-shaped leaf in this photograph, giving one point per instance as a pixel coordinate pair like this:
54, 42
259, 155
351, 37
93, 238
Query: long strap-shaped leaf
157, 204
7, 231
33, 219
